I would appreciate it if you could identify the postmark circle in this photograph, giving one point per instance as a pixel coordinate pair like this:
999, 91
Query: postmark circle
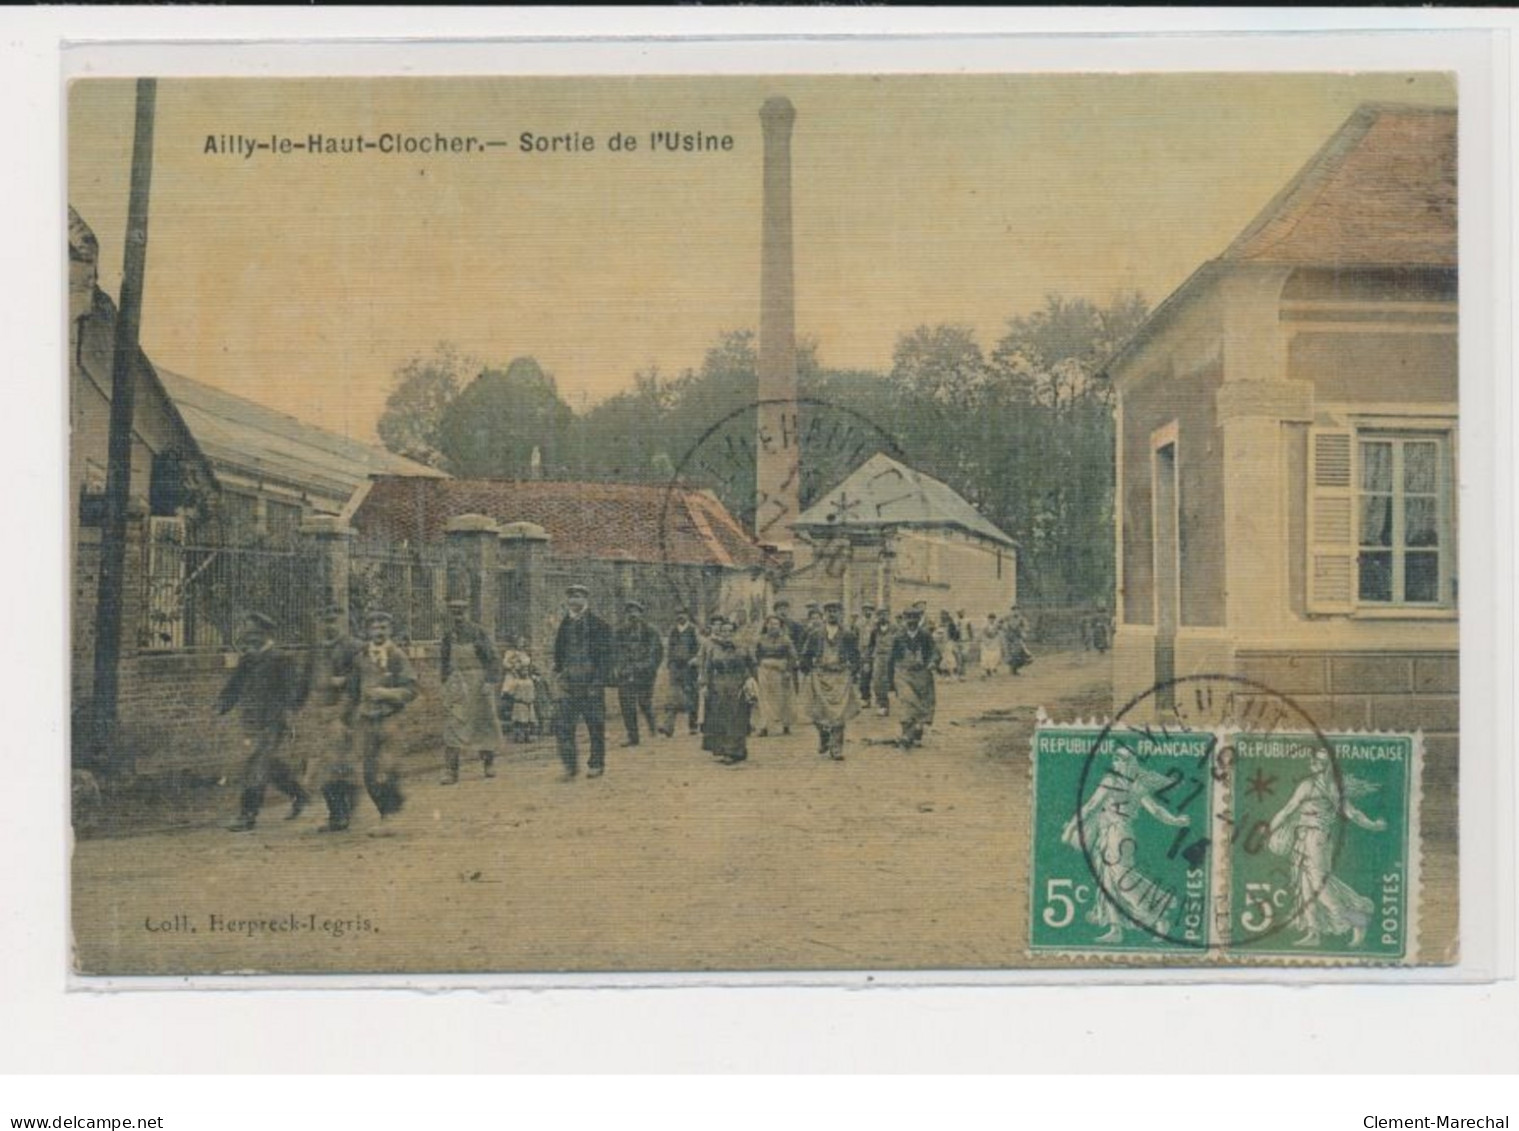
829, 440
1122, 802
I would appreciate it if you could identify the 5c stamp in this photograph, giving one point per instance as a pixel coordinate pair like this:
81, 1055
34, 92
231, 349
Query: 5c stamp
1236, 830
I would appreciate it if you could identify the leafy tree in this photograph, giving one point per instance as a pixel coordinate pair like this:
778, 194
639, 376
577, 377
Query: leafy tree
410, 425
1054, 354
491, 428
940, 363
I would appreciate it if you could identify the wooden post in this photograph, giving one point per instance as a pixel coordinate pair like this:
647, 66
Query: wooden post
118, 483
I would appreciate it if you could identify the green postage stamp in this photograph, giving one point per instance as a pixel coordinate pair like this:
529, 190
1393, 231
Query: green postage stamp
1225, 844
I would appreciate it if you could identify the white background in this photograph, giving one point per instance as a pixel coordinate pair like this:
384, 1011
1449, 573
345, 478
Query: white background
1149, 1030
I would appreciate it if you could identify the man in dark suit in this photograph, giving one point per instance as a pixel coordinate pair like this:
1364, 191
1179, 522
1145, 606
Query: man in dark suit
583, 657
639, 654
681, 655
265, 687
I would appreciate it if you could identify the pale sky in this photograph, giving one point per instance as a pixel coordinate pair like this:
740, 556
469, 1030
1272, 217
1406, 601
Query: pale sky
303, 281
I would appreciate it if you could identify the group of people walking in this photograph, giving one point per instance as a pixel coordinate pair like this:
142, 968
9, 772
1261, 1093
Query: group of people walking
819, 669
352, 690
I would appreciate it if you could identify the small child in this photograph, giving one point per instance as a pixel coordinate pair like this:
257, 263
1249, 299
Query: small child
521, 691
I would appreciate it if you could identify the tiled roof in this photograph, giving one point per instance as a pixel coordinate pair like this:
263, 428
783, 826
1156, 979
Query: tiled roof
248, 437
1382, 192
883, 492
631, 522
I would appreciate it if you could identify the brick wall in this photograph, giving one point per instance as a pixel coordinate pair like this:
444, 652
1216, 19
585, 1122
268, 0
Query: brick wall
169, 723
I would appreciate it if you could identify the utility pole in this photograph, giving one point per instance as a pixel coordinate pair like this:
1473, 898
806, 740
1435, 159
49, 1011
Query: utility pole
118, 479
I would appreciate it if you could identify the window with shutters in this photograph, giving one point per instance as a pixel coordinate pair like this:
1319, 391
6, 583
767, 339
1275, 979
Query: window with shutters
1402, 539
1381, 531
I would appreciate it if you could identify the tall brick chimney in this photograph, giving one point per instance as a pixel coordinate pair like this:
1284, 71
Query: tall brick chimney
777, 447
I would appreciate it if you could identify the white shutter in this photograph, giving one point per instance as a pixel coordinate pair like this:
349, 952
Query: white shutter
1331, 521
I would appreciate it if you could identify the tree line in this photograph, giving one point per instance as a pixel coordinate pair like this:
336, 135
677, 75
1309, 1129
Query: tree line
1024, 430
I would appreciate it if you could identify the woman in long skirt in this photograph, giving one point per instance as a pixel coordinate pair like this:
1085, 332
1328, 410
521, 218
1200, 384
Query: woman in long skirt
991, 647
728, 688
948, 647
775, 659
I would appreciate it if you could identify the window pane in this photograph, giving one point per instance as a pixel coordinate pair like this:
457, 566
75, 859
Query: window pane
1421, 577
240, 518
1376, 520
1376, 465
1376, 577
1419, 523
284, 522
1420, 466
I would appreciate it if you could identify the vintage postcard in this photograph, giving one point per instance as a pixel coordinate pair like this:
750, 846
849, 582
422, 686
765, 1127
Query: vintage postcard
763, 524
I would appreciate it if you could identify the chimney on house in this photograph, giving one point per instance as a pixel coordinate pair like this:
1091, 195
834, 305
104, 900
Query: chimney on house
778, 446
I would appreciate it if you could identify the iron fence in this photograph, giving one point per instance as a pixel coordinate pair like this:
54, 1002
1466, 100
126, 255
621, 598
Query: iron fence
198, 596
411, 584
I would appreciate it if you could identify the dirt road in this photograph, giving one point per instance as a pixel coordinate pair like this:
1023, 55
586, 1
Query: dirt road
668, 862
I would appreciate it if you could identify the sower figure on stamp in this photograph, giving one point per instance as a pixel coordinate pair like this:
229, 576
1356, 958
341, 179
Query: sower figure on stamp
384, 683
583, 668
1306, 831
639, 652
830, 659
680, 657
328, 696
1126, 896
914, 656
471, 672
265, 688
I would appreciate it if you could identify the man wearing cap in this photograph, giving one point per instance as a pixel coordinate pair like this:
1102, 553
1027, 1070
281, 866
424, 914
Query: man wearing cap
681, 657
1015, 651
863, 626
829, 661
639, 652
583, 660
471, 672
327, 696
797, 632
881, 638
265, 688
384, 683
910, 666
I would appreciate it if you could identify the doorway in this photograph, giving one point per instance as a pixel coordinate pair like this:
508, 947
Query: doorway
1167, 545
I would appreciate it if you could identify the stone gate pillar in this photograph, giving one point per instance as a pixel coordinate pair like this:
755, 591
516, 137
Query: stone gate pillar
472, 540
330, 540
526, 548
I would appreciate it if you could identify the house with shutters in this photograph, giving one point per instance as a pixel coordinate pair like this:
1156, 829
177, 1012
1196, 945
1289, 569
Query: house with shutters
1287, 447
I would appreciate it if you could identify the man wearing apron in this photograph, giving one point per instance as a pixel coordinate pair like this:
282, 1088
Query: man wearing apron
471, 673
830, 660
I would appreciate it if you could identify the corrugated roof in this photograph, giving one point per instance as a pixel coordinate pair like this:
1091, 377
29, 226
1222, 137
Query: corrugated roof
625, 521
883, 492
249, 437
1382, 192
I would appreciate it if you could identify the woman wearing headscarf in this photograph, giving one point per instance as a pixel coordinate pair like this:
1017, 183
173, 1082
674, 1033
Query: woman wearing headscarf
729, 690
775, 660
